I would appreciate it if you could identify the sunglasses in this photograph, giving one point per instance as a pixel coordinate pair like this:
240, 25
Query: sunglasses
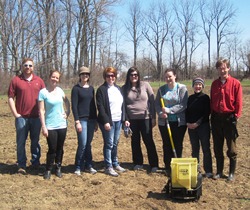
85, 74
134, 75
27, 65
110, 75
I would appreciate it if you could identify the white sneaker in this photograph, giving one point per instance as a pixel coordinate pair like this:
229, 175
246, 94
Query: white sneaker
77, 172
154, 169
91, 170
110, 171
138, 167
120, 169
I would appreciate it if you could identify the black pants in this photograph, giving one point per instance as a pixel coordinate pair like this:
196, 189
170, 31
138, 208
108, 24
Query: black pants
143, 128
178, 133
55, 142
201, 136
224, 127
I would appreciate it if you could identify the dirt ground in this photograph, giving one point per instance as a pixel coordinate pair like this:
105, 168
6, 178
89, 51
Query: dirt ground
131, 190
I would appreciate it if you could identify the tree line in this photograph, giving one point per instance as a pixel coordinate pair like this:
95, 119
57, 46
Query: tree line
67, 34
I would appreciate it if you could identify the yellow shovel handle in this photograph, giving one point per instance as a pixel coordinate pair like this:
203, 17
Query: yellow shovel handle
169, 130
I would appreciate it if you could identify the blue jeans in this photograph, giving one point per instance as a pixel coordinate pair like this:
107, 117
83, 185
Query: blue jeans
111, 139
23, 127
201, 136
83, 157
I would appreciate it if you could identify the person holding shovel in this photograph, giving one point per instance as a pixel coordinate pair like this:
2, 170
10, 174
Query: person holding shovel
171, 116
226, 108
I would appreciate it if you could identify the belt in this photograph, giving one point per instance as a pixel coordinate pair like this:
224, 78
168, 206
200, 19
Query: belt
222, 114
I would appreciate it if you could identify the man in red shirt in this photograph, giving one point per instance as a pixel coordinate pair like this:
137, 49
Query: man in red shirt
226, 108
23, 94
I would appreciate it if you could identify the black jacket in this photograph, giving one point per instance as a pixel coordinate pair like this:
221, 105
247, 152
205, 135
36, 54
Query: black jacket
198, 108
102, 102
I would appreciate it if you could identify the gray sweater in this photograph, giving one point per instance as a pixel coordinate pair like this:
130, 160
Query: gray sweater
178, 109
140, 106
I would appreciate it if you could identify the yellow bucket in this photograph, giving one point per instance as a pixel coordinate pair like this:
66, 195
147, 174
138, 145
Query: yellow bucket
184, 172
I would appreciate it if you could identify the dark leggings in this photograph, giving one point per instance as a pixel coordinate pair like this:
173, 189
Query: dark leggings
178, 133
55, 142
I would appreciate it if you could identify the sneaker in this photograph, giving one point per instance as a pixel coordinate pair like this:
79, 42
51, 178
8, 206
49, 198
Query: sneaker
154, 169
77, 172
91, 170
110, 171
120, 169
138, 167
209, 175
217, 176
22, 171
230, 178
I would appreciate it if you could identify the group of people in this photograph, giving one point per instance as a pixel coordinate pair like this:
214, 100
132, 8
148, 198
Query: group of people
133, 105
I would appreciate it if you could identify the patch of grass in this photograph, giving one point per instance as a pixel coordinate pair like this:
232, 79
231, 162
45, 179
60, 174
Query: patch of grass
188, 83
3, 97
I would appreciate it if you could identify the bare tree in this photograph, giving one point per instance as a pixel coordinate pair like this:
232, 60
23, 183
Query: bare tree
207, 18
134, 26
223, 13
177, 47
185, 14
17, 31
245, 56
44, 10
4, 35
69, 24
158, 20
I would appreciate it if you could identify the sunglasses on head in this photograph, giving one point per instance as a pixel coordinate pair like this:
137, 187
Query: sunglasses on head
27, 65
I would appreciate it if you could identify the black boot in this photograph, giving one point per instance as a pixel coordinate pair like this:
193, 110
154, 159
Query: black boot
220, 166
232, 166
58, 159
49, 165
47, 175
58, 170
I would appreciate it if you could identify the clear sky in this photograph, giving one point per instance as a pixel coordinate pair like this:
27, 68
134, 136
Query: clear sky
243, 17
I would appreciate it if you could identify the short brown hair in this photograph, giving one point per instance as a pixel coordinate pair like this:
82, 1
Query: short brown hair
54, 70
170, 70
222, 61
109, 70
27, 59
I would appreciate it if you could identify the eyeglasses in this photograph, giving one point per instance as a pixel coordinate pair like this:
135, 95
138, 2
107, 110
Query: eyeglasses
27, 65
110, 75
134, 75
